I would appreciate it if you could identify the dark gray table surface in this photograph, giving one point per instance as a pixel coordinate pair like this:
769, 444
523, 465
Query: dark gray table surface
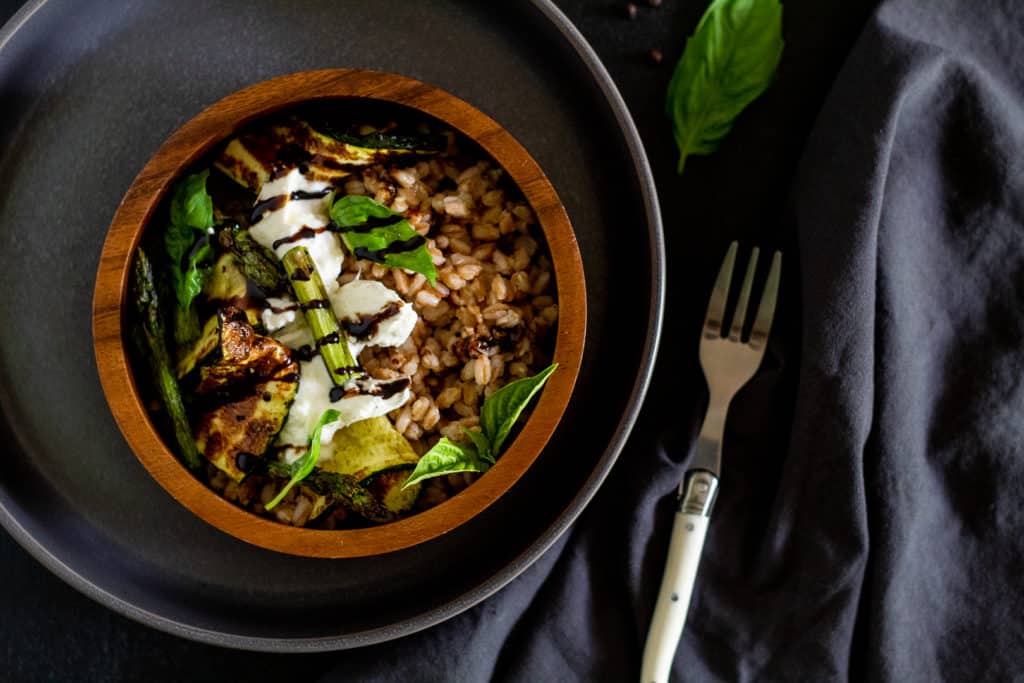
50, 632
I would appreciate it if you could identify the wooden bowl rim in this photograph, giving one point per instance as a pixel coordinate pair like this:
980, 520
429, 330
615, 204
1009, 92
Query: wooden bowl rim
195, 139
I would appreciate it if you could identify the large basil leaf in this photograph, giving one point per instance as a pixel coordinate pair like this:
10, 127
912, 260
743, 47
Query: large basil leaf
728, 62
502, 408
482, 443
191, 205
189, 252
373, 232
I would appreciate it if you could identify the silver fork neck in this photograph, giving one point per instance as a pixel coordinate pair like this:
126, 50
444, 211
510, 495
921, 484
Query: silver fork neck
708, 455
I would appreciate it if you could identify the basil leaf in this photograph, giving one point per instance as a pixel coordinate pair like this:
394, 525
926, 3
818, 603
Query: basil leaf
188, 248
354, 209
372, 231
305, 465
482, 443
446, 457
502, 408
191, 205
728, 62
199, 264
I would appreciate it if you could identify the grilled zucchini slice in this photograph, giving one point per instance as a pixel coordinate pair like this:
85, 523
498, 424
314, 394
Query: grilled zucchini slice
244, 397
251, 158
227, 286
379, 457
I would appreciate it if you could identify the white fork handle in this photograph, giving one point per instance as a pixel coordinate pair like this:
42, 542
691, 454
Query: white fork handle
688, 533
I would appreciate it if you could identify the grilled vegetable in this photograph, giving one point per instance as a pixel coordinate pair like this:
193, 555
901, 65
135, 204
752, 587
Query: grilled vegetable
387, 487
414, 144
258, 264
191, 356
248, 160
379, 457
244, 397
309, 290
152, 341
355, 150
227, 286
332, 488
252, 158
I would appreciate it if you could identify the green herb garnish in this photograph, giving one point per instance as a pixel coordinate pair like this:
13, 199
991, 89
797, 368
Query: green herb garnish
446, 457
189, 250
374, 232
305, 465
728, 62
502, 408
497, 417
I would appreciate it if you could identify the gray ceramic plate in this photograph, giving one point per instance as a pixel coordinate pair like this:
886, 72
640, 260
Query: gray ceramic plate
89, 91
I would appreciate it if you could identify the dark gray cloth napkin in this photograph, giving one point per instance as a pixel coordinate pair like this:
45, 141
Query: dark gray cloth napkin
871, 520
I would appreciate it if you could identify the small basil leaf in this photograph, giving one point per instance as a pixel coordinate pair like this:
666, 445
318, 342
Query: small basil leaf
446, 457
373, 232
199, 265
305, 465
502, 408
483, 445
728, 62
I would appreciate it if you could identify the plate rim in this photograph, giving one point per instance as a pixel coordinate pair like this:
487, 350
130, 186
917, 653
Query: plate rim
555, 530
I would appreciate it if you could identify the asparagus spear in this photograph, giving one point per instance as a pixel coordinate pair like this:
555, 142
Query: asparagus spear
341, 488
258, 264
309, 290
152, 343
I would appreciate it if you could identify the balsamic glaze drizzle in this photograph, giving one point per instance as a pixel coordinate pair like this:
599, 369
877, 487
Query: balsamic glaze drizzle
396, 247
366, 326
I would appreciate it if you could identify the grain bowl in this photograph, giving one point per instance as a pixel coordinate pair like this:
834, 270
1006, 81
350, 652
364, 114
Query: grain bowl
339, 313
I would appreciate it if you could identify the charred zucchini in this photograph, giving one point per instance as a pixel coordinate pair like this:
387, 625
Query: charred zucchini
244, 397
227, 286
379, 457
252, 158
243, 162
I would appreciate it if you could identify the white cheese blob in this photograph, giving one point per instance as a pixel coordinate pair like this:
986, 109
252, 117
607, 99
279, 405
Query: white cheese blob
287, 216
361, 299
279, 313
313, 398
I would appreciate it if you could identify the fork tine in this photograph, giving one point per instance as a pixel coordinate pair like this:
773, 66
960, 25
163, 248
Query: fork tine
766, 311
720, 294
740, 316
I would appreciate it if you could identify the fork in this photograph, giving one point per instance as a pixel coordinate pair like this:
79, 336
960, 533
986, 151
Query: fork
728, 363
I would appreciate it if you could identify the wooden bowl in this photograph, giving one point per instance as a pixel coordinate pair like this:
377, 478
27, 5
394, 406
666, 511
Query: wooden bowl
189, 144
